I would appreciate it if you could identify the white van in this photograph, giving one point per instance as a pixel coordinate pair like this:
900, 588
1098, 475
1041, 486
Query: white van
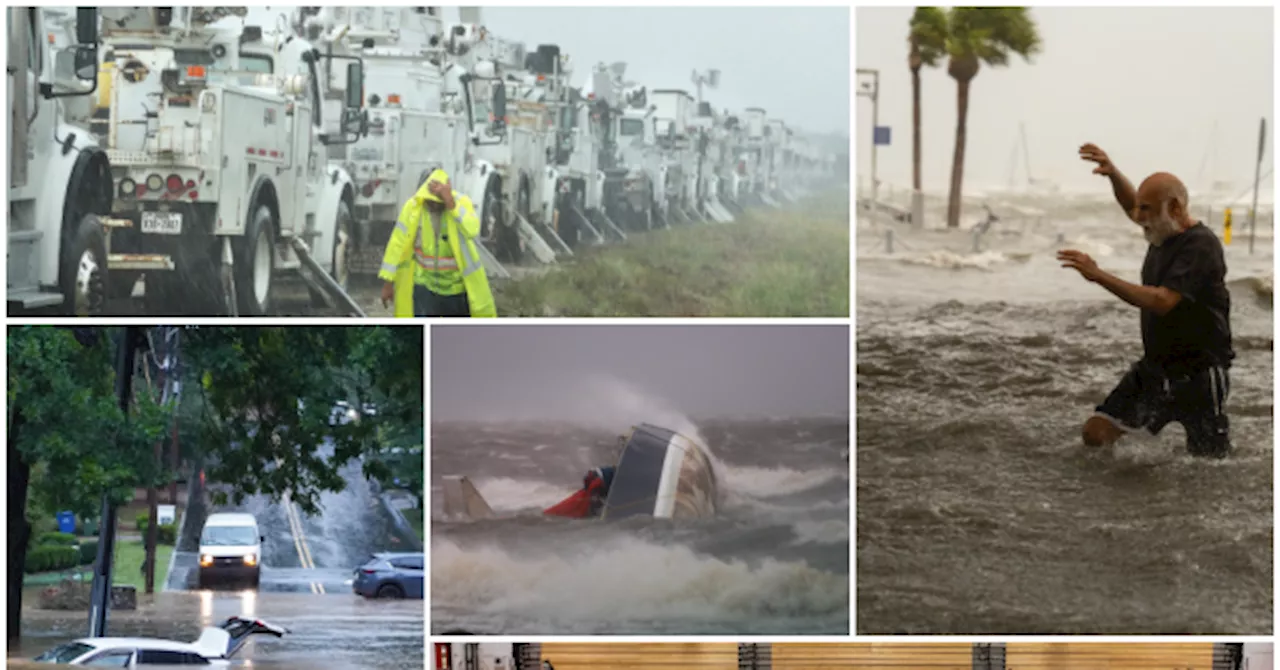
230, 548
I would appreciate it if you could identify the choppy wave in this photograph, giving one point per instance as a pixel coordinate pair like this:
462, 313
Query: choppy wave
774, 560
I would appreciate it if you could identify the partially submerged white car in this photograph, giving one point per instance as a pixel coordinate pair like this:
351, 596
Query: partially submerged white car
214, 648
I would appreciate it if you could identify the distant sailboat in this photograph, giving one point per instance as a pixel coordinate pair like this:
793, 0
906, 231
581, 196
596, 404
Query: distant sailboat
1032, 185
1207, 176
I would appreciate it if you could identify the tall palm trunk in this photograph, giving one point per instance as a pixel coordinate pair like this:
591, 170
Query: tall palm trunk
957, 162
915, 128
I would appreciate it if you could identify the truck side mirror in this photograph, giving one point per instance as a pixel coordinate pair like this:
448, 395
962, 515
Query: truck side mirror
355, 85
499, 106
86, 26
86, 63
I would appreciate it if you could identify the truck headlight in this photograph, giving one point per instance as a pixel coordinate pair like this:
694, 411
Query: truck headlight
251, 559
206, 560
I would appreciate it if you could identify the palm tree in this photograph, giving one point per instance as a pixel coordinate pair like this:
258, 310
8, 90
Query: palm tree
928, 38
977, 35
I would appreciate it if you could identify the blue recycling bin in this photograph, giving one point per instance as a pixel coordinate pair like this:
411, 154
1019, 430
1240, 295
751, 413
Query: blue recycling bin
66, 522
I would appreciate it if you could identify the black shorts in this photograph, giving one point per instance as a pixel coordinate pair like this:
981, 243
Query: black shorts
426, 303
1148, 398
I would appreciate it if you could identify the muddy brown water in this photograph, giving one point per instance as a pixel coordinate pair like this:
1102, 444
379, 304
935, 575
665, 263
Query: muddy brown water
334, 631
979, 511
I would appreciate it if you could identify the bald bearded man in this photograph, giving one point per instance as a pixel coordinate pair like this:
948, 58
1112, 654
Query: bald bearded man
1185, 318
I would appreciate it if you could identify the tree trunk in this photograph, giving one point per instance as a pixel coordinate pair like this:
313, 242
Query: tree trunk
915, 128
17, 526
153, 534
957, 162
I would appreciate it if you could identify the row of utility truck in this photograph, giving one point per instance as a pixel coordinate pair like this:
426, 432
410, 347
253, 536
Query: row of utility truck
195, 160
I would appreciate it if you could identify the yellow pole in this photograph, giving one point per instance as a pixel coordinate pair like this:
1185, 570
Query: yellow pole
1226, 226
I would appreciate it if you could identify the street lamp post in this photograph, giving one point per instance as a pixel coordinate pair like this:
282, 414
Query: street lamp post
872, 90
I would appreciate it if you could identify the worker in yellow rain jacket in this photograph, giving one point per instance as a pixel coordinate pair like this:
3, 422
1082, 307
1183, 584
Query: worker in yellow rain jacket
431, 266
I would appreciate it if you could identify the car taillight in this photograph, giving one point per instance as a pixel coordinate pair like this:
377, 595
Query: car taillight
174, 183
367, 571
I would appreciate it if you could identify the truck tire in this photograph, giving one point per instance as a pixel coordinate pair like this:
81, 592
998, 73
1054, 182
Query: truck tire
256, 264
509, 248
343, 248
84, 268
491, 213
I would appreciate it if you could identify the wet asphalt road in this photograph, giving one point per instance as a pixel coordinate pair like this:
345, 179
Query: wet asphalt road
307, 565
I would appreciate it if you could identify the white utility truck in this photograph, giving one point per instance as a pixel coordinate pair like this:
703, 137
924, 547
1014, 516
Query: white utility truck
511, 133
414, 126
60, 189
217, 134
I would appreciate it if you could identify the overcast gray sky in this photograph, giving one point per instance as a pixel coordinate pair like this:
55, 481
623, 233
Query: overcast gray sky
633, 372
1146, 84
792, 61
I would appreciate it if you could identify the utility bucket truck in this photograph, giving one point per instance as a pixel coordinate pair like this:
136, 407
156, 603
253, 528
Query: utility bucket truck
510, 137
634, 174
576, 179
60, 190
672, 116
414, 126
708, 141
217, 134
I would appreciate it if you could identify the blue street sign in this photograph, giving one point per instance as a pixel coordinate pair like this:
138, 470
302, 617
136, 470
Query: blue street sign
882, 136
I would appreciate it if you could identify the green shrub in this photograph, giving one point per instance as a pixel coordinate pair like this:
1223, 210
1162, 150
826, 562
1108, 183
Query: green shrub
52, 557
168, 533
141, 521
88, 552
56, 538
87, 527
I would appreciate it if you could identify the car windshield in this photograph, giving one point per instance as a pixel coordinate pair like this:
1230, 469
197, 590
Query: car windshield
64, 653
228, 536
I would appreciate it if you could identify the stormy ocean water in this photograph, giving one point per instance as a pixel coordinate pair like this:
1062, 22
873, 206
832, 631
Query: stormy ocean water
775, 560
979, 511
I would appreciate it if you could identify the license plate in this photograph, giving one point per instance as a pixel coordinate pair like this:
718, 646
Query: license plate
162, 223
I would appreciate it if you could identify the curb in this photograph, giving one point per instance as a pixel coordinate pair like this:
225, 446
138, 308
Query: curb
400, 521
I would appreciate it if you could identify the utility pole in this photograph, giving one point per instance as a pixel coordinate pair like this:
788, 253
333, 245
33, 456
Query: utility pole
100, 599
872, 90
164, 354
1257, 172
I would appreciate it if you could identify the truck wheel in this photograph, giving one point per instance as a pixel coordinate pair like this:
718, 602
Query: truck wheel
256, 264
491, 214
84, 268
509, 245
342, 246
342, 251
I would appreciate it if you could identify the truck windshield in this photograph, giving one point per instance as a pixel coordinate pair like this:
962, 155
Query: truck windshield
631, 127
481, 102
228, 536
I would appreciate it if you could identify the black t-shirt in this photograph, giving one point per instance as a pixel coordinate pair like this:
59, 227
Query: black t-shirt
1197, 332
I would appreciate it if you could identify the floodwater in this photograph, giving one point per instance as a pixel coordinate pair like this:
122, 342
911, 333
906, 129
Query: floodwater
336, 631
775, 560
305, 586
979, 511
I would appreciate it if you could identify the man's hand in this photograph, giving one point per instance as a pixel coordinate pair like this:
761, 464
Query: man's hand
443, 191
1091, 152
388, 293
1080, 262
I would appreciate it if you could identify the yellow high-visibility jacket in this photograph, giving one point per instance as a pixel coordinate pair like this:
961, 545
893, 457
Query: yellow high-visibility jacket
412, 257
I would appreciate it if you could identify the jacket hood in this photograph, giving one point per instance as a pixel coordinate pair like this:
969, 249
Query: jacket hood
424, 194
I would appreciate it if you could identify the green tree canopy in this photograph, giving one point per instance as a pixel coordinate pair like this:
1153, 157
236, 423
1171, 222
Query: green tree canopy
62, 393
264, 407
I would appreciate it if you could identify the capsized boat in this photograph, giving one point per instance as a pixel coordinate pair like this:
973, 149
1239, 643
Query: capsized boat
660, 473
